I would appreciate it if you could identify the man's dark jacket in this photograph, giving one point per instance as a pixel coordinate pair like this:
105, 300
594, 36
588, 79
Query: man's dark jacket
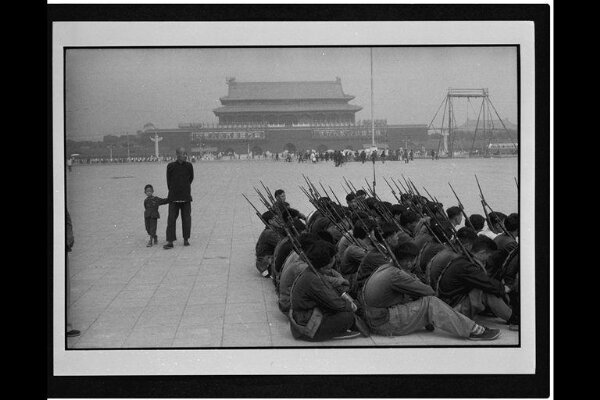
179, 181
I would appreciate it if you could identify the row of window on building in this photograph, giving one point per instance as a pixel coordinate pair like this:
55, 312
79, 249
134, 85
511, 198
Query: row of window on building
229, 135
346, 132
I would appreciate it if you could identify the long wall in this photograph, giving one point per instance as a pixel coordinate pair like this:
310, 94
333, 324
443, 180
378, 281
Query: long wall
280, 139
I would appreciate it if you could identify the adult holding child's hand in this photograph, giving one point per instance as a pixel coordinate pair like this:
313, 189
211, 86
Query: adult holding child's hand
180, 174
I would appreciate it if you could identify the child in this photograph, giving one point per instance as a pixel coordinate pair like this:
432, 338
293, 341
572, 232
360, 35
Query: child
151, 214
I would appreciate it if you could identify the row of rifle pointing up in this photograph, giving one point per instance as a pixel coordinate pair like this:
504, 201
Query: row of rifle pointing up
429, 210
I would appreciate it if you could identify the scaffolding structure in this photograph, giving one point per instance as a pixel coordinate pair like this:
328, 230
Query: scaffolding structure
449, 126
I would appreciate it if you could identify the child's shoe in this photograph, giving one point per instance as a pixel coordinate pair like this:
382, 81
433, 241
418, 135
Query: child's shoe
149, 244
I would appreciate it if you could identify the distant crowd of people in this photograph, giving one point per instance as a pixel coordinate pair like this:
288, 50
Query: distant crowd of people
337, 156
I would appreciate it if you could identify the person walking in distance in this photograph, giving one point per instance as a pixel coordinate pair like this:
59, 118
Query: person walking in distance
180, 174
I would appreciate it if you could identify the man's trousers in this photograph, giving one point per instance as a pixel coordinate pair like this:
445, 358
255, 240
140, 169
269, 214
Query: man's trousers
477, 300
413, 316
186, 219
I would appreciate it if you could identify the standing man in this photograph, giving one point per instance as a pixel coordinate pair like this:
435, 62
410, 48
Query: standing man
69, 245
180, 174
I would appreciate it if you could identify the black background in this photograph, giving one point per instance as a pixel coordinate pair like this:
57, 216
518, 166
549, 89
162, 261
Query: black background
492, 386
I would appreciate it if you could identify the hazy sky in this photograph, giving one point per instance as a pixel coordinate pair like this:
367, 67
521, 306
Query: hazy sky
111, 91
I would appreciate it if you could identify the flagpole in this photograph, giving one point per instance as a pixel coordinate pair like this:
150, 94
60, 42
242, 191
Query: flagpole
372, 122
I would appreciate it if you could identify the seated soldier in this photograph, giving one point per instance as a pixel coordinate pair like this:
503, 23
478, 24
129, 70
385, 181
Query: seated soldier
361, 195
427, 252
354, 254
435, 232
317, 311
512, 269
323, 202
267, 241
396, 302
344, 242
409, 220
476, 221
396, 211
281, 252
323, 222
374, 257
468, 289
435, 266
351, 201
492, 228
454, 215
342, 223
285, 208
295, 264
505, 241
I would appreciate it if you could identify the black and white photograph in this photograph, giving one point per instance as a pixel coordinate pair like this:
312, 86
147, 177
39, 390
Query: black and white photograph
328, 197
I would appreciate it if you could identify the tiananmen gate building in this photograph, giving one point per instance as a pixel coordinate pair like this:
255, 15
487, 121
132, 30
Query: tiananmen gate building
279, 116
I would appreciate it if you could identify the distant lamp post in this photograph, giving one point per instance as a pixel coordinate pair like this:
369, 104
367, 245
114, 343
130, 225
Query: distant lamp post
110, 148
156, 139
128, 156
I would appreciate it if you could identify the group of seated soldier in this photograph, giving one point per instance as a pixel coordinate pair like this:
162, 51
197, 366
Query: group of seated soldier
372, 267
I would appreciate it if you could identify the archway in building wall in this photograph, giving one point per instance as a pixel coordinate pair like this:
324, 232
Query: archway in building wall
290, 147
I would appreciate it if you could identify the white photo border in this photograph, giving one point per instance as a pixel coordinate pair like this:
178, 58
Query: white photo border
292, 361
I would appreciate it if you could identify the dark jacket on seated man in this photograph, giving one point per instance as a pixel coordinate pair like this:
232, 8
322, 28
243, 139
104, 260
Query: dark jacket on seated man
505, 242
292, 268
318, 312
423, 238
350, 261
428, 251
437, 264
281, 252
267, 241
310, 292
372, 260
321, 223
461, 276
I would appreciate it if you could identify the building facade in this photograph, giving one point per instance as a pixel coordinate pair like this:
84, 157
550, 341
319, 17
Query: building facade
256, 117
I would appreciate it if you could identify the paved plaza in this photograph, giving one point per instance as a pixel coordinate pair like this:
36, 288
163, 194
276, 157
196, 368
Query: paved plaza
125, 295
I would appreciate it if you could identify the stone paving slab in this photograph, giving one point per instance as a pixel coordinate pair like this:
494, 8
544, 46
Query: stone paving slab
125, 295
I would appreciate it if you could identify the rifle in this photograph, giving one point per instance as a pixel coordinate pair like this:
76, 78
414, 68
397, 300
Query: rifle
434, 199
431, 215
460, 205
257, 212
484, 204
374, 179
393, 191
325, 212
375, 242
